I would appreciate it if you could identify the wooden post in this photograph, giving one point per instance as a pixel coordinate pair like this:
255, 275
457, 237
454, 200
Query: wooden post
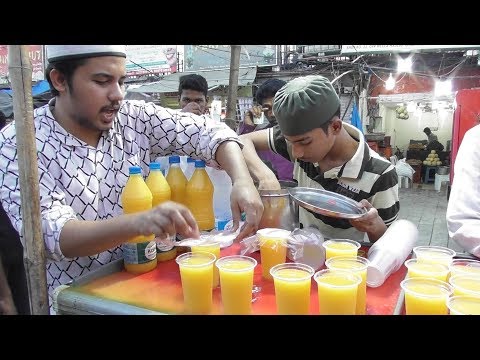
233, 82
20, 70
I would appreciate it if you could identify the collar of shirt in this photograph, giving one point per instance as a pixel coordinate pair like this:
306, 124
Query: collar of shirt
354, 167
58, 130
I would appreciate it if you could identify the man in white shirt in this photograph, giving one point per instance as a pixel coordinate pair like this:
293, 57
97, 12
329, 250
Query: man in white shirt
87, 137
463, 211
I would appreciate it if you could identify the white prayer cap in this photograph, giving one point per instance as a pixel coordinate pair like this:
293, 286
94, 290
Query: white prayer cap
68, 52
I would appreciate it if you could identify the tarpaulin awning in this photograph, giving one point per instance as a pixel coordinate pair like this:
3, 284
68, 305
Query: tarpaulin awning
40, 88
215, 78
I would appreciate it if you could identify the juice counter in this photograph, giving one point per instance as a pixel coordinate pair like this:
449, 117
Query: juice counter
112, 291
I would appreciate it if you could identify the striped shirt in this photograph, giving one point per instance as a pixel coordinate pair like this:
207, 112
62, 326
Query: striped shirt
365, 176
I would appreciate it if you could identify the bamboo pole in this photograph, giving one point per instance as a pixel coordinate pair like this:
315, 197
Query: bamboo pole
233, 82
20, 70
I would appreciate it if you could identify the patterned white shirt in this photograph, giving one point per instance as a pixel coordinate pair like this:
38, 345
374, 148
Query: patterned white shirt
78, 181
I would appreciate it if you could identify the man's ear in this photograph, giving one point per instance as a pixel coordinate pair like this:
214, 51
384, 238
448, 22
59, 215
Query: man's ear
336, 125
58, 80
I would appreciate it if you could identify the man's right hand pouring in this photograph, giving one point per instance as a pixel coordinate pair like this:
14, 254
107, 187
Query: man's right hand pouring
245, 198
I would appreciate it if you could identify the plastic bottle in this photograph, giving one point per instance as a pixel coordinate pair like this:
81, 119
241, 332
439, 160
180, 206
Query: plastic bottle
200, 197
222, 185
389, 252
161, 192
177, 180
139, 253
190, 168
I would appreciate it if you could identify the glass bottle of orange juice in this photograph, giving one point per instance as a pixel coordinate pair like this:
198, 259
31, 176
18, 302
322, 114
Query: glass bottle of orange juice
139, 253
177, 180
200, 197
161, 192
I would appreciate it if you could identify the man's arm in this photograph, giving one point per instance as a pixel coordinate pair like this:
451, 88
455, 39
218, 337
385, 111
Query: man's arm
463, 211
252, 143
384, 207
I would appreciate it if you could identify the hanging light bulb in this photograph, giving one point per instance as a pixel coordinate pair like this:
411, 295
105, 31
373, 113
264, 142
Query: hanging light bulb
390, 83
404, 65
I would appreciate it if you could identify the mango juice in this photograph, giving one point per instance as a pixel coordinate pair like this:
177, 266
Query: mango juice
464, 305
337, 291
464, 267
236, 283
358, 266
196, 273
176, 180
292, 288
465, 285
434, 254
273, 249
427, 270
213, 248
340, 248
425, 296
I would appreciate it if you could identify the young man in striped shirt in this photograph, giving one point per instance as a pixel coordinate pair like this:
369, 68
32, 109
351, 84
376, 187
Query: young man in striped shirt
328, 154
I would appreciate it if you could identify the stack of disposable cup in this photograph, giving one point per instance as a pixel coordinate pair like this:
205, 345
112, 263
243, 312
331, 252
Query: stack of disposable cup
222, 185
389, 252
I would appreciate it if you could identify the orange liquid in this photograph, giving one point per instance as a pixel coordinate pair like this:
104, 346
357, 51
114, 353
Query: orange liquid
137, 197
199, 200
178, 183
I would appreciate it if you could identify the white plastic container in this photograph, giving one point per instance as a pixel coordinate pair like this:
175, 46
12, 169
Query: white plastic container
389, 252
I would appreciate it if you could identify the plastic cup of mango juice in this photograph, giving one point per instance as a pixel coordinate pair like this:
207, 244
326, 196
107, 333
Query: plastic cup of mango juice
292, 283
465, 284
464, 267
214, 248
196, 273
464, 305
273, 249
428, 270
337, 291
236, 283
426, 296
340, 247
435, 254
357, 265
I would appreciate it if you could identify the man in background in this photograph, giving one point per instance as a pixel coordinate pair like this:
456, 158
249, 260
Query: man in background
281, 167
192, 94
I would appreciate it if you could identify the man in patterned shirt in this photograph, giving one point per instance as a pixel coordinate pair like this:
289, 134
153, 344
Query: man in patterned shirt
87, 137
328, 154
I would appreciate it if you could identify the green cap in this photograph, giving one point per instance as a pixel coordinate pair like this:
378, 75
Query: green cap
305, 103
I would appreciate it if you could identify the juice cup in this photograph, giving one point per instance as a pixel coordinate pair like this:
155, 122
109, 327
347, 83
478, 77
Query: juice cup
236, 283
357, 265
428, 270
273, 249
465, 284
435, 254
337, 291
464, 267
196, 272
341, 247
292, 288
425, 296
464, 305
213, 248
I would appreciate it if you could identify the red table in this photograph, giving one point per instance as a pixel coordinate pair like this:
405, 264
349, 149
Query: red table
161, 290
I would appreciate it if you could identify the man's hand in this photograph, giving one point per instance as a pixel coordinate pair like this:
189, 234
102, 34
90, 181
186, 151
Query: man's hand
371, 222
269, 183
192, 107
245, 198
168, 218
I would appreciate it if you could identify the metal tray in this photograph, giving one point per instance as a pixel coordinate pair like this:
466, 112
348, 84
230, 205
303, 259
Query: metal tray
326, 203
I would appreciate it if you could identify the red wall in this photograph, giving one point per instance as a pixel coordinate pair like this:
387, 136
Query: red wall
419, 84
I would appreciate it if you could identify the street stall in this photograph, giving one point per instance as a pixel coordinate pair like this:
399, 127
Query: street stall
112, 291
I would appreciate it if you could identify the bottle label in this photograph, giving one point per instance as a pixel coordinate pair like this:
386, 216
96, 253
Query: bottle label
139, 253
165, 244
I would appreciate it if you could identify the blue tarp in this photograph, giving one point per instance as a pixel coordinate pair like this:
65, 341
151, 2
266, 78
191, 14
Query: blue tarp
356, 121
37, 89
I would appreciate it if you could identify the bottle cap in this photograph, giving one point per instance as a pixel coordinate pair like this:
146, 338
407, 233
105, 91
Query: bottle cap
199, 163
155, 166
190, 160
134, 170
174, 159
